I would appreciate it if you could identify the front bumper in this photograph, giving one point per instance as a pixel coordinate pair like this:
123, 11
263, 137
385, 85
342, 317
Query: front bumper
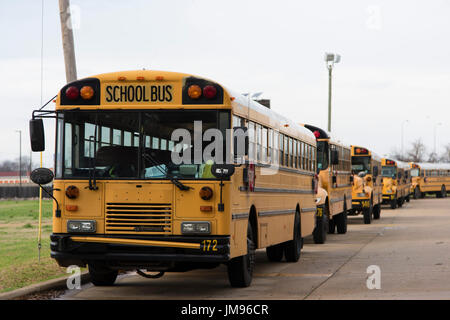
124, 250
359, 204
387, 198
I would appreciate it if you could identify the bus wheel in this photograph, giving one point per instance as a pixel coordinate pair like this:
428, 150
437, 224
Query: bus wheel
292, 248
407, 198
240, 269
443, 192
331, 225
321, 229
417, 193
341, 220
101, 275
367, 213
394, 202
275, 253
377, 212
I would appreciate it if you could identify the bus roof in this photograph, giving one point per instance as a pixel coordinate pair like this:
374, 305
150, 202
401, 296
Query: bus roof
231, 99
434, 166
326, 135
373, 155
285, 125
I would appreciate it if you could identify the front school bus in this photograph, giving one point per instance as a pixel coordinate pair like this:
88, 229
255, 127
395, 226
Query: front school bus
367, 186
140, 180
433, 178
334, 173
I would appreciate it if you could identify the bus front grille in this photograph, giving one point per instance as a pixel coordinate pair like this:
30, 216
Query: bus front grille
138, 218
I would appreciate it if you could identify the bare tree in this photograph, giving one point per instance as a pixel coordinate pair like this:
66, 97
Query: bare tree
396, 154
445, 157
417, 151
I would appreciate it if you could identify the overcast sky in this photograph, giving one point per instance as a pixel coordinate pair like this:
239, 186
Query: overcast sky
395, 59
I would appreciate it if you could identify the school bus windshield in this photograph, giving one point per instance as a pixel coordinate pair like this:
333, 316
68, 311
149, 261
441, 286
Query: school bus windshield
138, 144
360, 164
389, 172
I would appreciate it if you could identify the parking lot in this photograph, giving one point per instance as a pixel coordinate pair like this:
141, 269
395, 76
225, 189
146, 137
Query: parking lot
410, 245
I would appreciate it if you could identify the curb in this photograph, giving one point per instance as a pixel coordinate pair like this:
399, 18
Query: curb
58, 283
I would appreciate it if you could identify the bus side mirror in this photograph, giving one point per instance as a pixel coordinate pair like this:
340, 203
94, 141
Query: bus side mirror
41, 176
375, 171
240, 142
37, 135
334, 157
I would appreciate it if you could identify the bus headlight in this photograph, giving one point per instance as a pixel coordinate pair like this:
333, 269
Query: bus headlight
87, 226
203, 227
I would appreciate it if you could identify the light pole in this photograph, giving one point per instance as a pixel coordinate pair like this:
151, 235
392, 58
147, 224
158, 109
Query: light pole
435, 127
403, 123
330, 60
20, 159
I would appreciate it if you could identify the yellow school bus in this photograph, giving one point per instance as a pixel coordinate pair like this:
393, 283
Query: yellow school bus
415, 180
396, 182
431, 178
334, 173
149, 177
367, 187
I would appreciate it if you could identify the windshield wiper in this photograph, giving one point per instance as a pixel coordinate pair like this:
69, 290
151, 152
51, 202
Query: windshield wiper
174, 180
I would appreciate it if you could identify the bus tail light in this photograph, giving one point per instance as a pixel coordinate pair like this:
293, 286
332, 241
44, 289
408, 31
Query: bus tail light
209, 92
72, 93
87, 92
194, 91
72, 192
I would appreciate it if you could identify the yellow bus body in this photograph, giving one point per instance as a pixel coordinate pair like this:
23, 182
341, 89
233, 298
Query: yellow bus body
396, 188
270, 207
367, 189
432, 178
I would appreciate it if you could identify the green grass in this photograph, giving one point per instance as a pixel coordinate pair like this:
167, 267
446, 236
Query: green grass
19, 264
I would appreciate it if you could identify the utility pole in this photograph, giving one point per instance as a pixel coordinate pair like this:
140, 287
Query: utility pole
67, 39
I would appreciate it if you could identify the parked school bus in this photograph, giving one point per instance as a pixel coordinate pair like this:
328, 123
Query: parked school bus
334, 172
431, 178
396, 182
123, 203
415, 180
367, 188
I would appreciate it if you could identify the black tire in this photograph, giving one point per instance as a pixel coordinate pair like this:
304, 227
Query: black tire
443, 192
400, 202
331, 226
275, 253
394, 203
240, 269
376, 212
367, 213
416, 194
102, 275
407, 198
341, 220
321, 229
293, 248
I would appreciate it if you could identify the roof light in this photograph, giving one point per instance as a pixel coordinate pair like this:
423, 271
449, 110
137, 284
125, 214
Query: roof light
72, 93
194, 91
210, 92
87, 92
317, 134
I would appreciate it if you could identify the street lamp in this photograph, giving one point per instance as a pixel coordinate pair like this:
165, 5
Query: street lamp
330, 60
403, 123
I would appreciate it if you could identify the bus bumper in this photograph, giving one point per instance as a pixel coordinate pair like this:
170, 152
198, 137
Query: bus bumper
68, 249
359, 204
387, 198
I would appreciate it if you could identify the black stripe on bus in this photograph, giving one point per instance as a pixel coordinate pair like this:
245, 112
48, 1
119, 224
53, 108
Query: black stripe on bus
300, 191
